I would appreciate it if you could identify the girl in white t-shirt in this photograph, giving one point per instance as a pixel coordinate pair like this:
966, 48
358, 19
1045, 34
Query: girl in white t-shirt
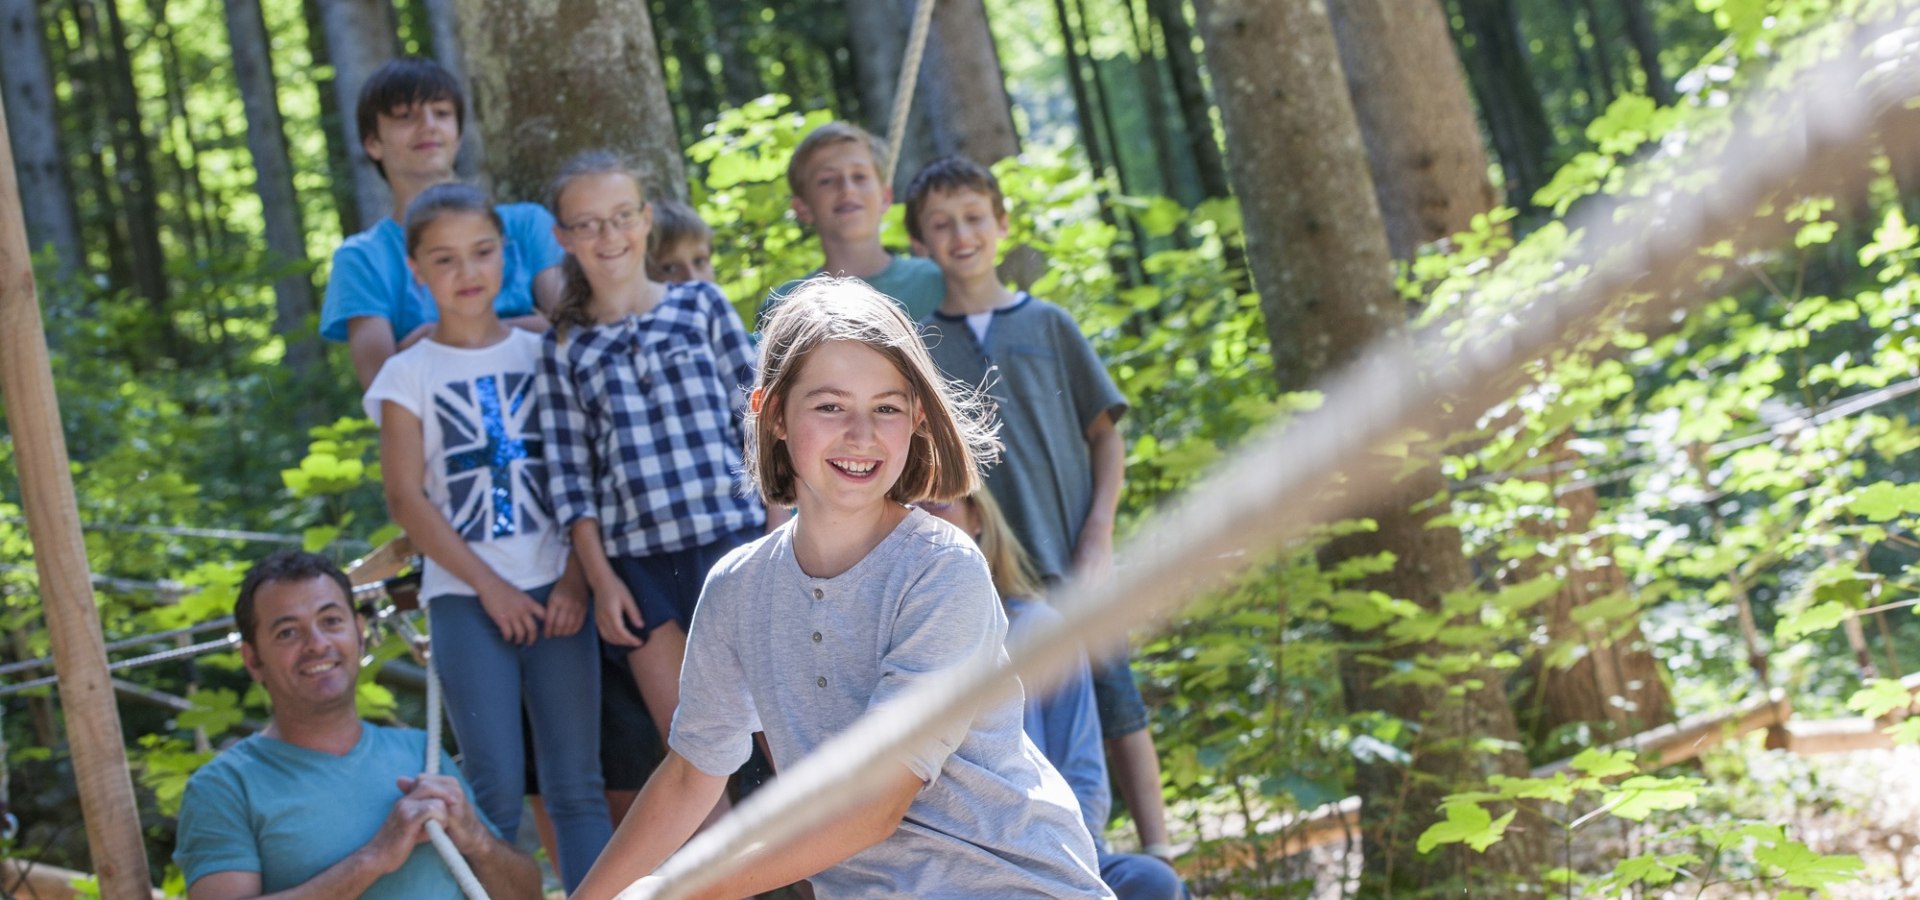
462, 464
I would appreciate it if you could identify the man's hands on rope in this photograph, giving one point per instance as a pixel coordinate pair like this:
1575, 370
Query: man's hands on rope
436, 798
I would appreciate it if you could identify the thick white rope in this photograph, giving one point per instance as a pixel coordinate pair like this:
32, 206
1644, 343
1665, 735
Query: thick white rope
1276, 487
903, 89
457, 864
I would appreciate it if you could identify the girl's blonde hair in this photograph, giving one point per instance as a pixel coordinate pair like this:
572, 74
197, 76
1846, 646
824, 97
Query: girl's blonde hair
955, 437
1012, 568
576, 294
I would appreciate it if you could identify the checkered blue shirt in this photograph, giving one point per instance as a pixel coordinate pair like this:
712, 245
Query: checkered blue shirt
642, 420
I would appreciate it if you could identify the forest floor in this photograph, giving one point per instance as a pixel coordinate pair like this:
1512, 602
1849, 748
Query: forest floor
1864, 803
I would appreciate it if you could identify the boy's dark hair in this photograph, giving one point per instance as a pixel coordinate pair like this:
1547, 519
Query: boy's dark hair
674, 222
950, 173
440, 199
283, 565
403, 82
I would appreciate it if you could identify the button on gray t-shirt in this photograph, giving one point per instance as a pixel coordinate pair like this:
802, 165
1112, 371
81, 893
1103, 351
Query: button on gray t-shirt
772, 648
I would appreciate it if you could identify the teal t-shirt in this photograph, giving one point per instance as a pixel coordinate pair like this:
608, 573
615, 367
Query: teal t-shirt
914, 282
370, 275
289, 813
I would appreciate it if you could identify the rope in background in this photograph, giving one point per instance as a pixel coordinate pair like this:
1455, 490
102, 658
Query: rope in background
903, 89
1277, 486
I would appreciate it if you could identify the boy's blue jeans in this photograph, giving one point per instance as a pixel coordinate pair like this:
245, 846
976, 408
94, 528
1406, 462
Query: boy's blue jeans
556, 681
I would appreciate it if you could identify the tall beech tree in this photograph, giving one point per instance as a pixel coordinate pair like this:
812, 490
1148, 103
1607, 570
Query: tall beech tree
1423, 146
360, 36
273, 180
26, 80
960, 102
1646, 45
1496, 55
537, 109
1323, 267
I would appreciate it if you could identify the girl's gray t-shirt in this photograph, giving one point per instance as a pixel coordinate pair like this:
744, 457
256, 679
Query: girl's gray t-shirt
773, 649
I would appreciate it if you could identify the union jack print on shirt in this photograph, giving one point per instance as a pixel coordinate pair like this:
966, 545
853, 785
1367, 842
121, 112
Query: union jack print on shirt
496, 477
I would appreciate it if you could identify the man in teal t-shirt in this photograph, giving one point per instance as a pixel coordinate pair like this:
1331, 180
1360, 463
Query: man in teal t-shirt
322, 804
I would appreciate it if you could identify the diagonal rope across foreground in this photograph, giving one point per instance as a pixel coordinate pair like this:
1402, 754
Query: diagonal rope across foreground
1276, 486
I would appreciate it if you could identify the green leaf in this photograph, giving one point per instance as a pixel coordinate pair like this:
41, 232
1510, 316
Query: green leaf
1652, 869
1601, 763
215, 710
1467, 823
315, 539
1641, 796
1879, 697
1801, 867
1821, 617
1885, 501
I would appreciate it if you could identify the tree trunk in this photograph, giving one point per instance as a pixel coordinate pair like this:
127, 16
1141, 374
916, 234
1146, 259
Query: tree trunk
1902, 144
1322, 265
1646, 44
1582, 66
960, 103
133, 167
27, 82
87, 86
698, 102
273, 179
529, 105
961, 86
1502, 80
1195, 108
1617, 686
444, 22
739, 67
1429, 168
360, 37
1602, 51
1154, 90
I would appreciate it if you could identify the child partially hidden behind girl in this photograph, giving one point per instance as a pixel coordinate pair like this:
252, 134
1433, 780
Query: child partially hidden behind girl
848, 606
1063, 721
463, 474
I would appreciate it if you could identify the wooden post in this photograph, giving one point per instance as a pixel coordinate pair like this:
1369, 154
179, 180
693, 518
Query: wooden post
53, 525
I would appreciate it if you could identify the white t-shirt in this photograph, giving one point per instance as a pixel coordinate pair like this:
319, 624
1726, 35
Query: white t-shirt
485, 471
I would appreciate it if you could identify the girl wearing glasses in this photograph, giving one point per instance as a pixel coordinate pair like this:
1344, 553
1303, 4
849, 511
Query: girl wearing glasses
643, 386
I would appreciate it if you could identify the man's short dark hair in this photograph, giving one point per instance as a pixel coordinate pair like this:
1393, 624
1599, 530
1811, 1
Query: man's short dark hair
284, 565
401, 83
950, 173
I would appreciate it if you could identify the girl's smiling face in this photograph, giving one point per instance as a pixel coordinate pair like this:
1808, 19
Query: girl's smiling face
603, 222
848, 421
459, 260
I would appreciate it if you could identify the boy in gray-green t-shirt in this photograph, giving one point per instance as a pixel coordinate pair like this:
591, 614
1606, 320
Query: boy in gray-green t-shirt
1060, 477
835, 176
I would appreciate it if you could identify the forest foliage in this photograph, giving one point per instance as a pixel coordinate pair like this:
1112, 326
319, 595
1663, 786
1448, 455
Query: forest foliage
1751, 454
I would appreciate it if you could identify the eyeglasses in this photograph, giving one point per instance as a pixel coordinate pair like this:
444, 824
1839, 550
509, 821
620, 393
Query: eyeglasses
596, 226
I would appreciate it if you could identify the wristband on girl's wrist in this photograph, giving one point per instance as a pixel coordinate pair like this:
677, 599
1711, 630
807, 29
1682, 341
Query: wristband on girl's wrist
1159, 850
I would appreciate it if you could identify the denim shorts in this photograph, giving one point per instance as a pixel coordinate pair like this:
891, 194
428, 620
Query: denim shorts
1122, 711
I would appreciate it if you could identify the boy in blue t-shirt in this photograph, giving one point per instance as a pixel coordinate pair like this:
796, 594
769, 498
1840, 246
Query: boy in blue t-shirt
1059, 480
410, 114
